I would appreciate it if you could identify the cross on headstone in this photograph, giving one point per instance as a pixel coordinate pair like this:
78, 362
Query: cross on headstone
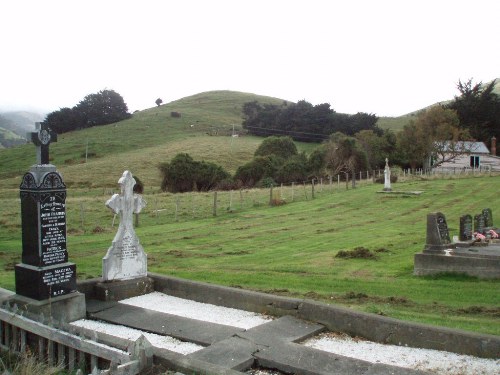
42, 138
125, 258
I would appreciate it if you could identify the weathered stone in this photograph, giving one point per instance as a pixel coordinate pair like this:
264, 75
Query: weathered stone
125, 258
465, 228
438, 237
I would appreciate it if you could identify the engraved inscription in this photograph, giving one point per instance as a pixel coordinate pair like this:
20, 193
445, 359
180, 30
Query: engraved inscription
53, 278
53, 230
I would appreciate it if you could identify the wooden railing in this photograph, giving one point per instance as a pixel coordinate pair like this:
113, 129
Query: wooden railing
64, 345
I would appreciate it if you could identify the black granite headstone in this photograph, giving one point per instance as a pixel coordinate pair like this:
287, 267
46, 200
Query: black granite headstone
438, 237
479, 223
45, 271
488, 217
465, 228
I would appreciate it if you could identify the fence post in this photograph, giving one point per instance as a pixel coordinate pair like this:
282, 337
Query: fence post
271, 195
214, 212
346, 181
312, 188
353, 179
305, 191
177, 203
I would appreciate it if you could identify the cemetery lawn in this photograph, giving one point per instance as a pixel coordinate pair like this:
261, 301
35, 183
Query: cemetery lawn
292, 249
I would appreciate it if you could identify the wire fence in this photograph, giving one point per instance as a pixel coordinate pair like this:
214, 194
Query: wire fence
89, 214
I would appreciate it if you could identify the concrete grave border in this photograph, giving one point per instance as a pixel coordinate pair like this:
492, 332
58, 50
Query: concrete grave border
335, 318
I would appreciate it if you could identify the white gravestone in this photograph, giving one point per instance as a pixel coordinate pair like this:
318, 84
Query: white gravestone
125, 258
387, 176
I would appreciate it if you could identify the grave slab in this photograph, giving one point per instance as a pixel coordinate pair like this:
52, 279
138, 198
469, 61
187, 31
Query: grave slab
284, 329
294, 358
202, 333
234, 353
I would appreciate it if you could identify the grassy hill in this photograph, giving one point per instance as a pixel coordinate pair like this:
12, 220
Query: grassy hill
150, 137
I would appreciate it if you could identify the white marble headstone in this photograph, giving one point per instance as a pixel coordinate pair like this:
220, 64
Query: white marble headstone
125, 258
387, 176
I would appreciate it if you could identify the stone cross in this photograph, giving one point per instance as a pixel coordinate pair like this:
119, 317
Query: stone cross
387, 176
125, 259
42, 138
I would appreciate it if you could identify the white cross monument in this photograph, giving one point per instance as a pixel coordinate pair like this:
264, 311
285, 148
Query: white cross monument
125, 258
387, 176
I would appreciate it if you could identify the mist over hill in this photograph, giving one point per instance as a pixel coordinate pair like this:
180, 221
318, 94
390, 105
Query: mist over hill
15, 124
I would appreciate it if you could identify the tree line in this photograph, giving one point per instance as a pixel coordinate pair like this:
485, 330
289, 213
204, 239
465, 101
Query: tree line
303, 121
102, 108
435, 135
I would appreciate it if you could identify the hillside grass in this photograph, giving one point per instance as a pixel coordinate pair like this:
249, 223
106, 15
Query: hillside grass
291, 249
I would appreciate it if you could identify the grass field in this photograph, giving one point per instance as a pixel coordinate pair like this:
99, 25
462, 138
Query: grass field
290, 249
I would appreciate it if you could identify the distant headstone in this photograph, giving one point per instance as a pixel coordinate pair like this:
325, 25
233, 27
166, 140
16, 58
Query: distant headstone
125, 258
438, 236
479, 223
387, 176
488, 217
465, 228
45, 271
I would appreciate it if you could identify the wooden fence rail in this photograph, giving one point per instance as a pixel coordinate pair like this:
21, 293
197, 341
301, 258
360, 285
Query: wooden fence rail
66, 346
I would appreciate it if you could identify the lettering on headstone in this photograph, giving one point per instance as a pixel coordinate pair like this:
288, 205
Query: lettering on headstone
488, 217
465, 228
438, 237
443, 229
479, 223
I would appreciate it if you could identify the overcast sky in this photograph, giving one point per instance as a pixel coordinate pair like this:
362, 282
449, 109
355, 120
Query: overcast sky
378, 56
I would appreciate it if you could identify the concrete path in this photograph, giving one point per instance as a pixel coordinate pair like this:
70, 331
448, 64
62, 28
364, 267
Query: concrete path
270, 345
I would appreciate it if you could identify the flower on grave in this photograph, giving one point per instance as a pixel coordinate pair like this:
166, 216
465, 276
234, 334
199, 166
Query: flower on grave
493, 233
479, 236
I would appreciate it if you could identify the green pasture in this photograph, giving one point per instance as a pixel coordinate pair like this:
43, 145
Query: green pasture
291, 249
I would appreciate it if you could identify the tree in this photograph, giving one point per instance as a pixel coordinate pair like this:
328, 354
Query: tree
65, 120
283, 147
433, 138
184, 174
158, 102
104, 107
344, 155
478, 109
377, 147
259, 168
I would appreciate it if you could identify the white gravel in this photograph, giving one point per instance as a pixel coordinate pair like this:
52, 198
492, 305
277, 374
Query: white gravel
196, 310
165, 342
435, 361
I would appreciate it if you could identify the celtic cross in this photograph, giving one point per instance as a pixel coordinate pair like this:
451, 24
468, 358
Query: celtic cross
42, 138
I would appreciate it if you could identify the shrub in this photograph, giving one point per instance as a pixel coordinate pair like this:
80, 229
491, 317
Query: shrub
184, 174
282, 147
257, 169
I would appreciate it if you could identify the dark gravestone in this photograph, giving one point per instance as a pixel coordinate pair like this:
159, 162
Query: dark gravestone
465, 228
45, 271
479, 223
488, 218
438, 237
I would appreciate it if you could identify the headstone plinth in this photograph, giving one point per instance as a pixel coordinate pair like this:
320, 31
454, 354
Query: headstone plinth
441, 256
44, 273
